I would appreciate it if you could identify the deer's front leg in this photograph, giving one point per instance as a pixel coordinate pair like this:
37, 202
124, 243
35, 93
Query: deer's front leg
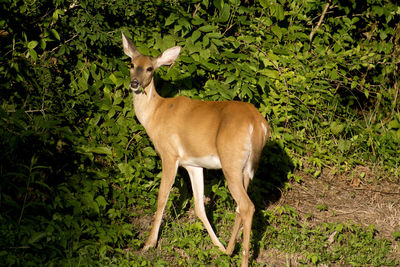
169, 168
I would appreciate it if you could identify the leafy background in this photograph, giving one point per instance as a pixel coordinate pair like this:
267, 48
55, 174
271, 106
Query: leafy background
79, 176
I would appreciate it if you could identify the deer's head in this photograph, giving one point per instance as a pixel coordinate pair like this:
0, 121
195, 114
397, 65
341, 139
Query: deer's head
143, 67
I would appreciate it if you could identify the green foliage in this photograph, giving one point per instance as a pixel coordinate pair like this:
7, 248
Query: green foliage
76, 167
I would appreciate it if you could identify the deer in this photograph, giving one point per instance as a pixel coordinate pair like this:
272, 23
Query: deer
196, 134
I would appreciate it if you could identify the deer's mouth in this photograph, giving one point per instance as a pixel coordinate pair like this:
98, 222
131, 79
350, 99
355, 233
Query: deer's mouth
135, 85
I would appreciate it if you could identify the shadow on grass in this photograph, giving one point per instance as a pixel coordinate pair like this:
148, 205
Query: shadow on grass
266, 187
264, 190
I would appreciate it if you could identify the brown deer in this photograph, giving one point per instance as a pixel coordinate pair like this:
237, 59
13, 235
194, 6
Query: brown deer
194, 134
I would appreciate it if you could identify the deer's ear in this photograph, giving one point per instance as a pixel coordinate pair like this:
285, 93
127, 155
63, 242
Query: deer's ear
168, 56
129, 48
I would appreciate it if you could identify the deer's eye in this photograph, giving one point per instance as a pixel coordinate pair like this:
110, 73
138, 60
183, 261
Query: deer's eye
149, 69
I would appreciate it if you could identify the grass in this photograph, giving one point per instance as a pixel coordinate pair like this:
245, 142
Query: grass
329, 243
283, 234
188, 244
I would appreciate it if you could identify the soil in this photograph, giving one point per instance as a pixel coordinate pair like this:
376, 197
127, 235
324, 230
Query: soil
347, 198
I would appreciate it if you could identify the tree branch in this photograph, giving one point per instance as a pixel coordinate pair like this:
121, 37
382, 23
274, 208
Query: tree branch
320, 20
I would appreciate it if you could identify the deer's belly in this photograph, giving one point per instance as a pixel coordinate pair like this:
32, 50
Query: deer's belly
208, 162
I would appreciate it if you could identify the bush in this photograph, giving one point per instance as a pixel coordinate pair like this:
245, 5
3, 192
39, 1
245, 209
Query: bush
75, 164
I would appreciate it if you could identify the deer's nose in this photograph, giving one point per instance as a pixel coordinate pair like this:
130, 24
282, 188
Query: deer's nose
134, 84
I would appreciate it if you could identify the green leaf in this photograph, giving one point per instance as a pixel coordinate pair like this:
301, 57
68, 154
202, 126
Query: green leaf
171, 19
113, 78
55, 34
43, 44
32, 44
208, 28
219, 4
196, 35
225, 13
314, 258
270, 73
205, 53
33, 54
354, 84
37, 236
100, 150
264, 3
396, 235
366, 93
344, 145
277, 31
336, 127
101, 201
82, 84
214, 35
394, 124
262, 81
280, 14
149, 151
217, 42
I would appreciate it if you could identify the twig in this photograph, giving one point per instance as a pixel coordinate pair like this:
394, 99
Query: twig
280, 74
227, 29
320, 20
377, 191
130, 141
26, 111
364, 189
284, 80
73, 4
69, 40
275, 66
396, 93
197, 9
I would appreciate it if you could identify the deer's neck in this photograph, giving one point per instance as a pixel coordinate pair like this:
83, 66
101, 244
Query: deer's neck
145, 103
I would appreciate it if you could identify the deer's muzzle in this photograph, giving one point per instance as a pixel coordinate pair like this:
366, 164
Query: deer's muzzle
134, 84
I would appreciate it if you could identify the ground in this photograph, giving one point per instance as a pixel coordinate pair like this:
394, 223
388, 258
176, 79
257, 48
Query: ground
348, 198
358, 196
